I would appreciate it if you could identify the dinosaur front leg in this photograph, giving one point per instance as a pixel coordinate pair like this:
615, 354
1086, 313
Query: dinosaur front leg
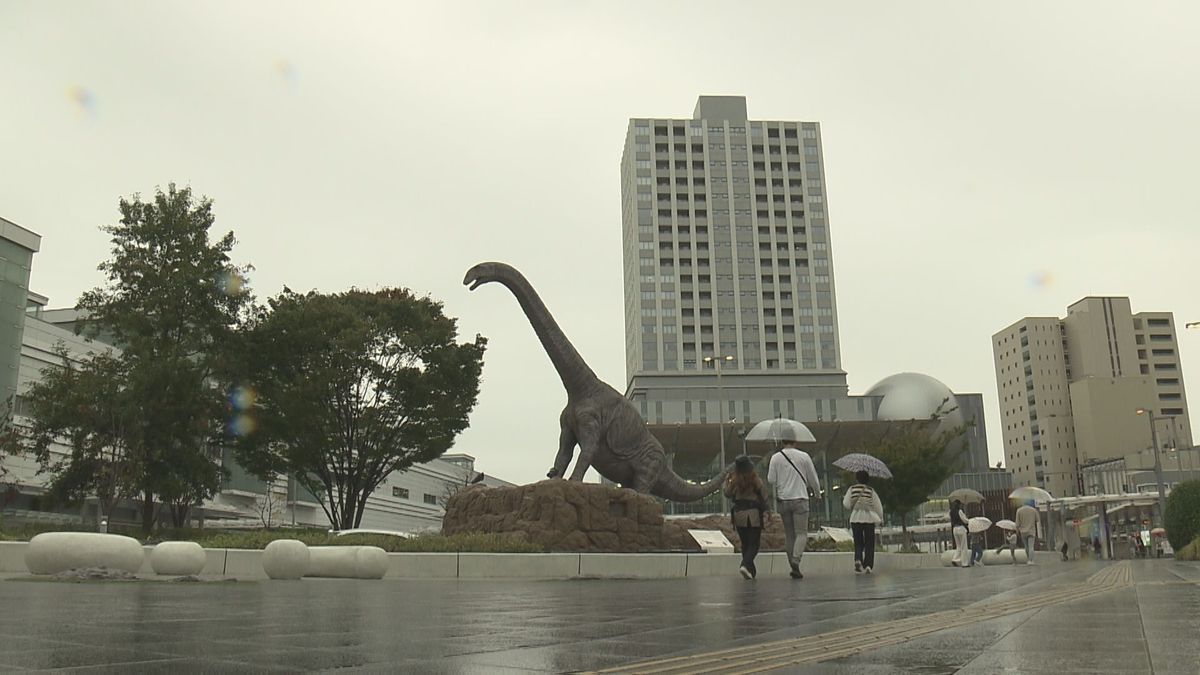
566, 450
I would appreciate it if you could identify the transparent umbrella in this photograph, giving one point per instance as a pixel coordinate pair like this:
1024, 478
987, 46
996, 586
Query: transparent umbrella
1028, 493
780, 429
1006, 525
965, 495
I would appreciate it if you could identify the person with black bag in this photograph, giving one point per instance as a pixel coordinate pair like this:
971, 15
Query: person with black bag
749, 511
794, 476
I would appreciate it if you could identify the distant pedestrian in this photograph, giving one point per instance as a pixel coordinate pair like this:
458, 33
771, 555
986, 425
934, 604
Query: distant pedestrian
866, 511
749, 497
1027, 522
1096, 546
793, 476
1064, 550
975, 543
1010, 542
958, 527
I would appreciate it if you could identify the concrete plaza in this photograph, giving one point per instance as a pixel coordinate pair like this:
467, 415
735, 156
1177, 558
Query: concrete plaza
1138, 617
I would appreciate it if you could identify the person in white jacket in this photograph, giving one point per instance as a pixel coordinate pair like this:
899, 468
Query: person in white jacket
866, 511
958, 527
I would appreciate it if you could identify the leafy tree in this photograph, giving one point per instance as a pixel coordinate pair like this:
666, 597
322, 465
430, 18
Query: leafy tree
350, 387
87, 406
172, 301
11, 438
920, 459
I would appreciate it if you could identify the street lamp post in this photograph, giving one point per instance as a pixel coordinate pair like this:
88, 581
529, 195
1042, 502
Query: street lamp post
1162, 493
716, 361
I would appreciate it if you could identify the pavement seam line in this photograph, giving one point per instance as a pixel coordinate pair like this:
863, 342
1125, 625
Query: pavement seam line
776, 654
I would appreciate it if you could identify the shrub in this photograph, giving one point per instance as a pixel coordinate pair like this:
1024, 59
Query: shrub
1182, 518
1189, 552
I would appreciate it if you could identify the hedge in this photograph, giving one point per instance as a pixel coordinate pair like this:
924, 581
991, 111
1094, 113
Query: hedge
1182, 518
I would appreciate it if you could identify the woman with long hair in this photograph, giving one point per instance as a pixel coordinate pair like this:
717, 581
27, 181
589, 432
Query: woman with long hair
749, 497
958, 527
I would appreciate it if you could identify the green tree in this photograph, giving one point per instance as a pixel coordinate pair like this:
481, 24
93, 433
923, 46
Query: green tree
920, 458
172, 302
1182, 519
350, 387
85, 407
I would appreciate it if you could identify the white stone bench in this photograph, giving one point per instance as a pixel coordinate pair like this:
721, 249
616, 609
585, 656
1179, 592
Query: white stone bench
178, 558
285, 559
54, 552
347, 562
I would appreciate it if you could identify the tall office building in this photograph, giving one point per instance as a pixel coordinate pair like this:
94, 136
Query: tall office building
1070, 388
727, 257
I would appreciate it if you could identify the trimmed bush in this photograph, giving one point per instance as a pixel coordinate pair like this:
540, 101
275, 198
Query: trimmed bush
1182, 518
1189, 552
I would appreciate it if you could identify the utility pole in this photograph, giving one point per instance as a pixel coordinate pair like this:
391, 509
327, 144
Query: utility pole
716, 361
1162, 492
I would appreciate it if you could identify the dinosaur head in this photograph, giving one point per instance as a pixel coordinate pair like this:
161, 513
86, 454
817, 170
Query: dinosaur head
483, 273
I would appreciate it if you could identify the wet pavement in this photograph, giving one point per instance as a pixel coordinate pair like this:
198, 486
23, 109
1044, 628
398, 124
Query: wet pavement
1150, 625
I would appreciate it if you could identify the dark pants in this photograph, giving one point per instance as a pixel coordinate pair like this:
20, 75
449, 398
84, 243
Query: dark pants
864, 543
750, 537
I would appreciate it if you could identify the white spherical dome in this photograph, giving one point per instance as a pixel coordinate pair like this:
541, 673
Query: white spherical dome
913, 396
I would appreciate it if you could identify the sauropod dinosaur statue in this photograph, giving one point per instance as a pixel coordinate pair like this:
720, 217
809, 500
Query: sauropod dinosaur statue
607, 428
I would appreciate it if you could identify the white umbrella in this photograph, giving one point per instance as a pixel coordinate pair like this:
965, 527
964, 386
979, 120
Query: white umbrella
780, 429
1006, 525
978, 524
965, 495
1025, 494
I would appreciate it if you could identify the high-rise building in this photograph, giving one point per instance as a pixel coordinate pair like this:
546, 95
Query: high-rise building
1070, 388
727, 258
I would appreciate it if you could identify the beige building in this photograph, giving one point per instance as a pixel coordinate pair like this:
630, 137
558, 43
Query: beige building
1070, 388
727, 256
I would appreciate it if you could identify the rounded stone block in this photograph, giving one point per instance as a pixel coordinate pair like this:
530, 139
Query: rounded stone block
54, 552
285, 559
178, 558
1003, 557
347, 562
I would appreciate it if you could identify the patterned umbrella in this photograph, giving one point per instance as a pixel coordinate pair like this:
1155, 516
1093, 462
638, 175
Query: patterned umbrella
1006, 525
858, 461
965, 495
978, 524
780, 429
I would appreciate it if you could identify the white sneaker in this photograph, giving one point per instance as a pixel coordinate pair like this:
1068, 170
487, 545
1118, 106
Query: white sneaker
1029, 562
867, 570
858, 566
744, 572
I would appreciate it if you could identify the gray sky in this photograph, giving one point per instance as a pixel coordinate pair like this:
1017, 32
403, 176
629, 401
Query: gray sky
984, 162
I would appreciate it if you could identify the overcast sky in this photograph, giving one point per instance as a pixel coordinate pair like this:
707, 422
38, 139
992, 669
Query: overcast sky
984, 161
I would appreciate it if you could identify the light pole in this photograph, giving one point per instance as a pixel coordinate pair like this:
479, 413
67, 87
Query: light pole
716, 361
1162, 493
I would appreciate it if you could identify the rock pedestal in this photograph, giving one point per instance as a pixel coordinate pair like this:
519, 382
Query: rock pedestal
560, 515
676, 537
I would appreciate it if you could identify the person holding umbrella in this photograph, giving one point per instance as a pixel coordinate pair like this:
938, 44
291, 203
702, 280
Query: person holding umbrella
958, 526
794, 477
1027, 522
866, 511
749, 497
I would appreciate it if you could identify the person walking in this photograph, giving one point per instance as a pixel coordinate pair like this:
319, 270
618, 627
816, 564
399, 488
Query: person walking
975, 544
793, 477
866, 511
1027, 521
1010, 541
958, 527
749, 496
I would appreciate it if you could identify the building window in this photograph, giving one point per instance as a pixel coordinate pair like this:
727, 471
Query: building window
400, 493
430, 499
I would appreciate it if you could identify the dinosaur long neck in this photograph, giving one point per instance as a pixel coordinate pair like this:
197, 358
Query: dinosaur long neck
574, 372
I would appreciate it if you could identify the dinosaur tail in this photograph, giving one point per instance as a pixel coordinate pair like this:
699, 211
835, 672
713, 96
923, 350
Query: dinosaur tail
676, 489
572, 369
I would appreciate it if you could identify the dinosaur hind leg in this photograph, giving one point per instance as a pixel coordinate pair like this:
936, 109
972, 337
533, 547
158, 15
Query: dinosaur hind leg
566, 450
589, 441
